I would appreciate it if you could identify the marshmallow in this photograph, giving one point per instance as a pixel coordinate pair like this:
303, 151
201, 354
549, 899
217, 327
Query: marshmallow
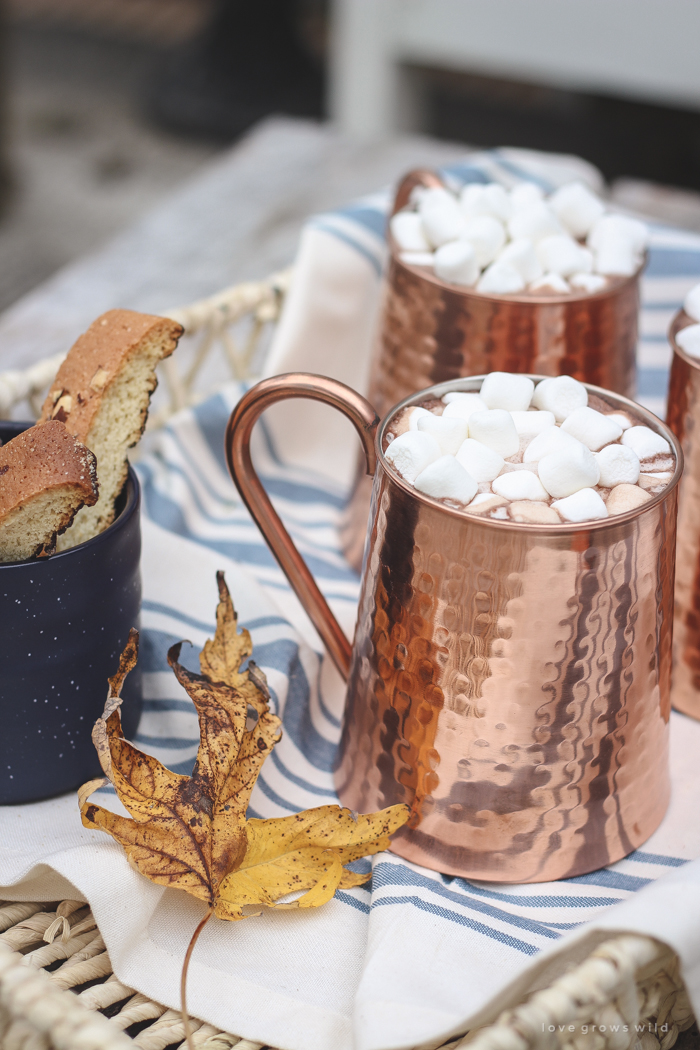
626, 497
407, 230
565, 472
583, 505
689, 339
417, 258
534, 221
618, 228
618, 465
525, 194
533, 513
588, 282
412, 452
443, 219
560, 395
501, 279
481, 462
644, 442
496, 430
623, 421
445, 478
462, 406
530, 424
691, 303
617, 258
486, 501
487, 237
449, 433
591, 428
519, 485
550, 282
491, 199
576, 208
456, 262
506, 390
521, 255
551, 439
561, 254
654, 481
415, 415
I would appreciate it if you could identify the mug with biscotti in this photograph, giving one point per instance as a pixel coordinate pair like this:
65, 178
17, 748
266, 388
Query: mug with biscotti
492, 280
509, 677
683, 417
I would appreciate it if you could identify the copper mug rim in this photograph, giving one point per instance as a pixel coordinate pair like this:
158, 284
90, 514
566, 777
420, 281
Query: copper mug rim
472, 384
680, 321
423, 177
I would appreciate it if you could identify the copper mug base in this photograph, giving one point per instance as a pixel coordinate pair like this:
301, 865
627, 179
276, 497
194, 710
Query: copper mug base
510, 683
683, 417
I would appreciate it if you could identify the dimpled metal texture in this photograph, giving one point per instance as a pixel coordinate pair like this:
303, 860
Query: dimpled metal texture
683, 417
511, 683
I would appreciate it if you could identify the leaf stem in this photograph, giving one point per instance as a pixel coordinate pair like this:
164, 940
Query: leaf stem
183, 978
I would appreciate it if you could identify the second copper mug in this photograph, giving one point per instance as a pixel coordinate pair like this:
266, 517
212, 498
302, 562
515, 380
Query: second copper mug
509, 682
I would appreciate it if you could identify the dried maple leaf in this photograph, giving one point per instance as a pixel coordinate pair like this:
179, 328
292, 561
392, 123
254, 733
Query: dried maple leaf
191, 832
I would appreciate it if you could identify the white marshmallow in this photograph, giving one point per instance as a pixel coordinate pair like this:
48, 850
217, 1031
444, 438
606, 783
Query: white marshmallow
551, 439
507, 390
445, 478
588, 282
584, 505
689, 339
645, 442
561, 254
691, 303
462, 406
614, 228
519, 484
577, 208
456, 262
530, 424
560, 395
415, 415
526, 193
550, 282
565, 472
496, 430
521, 255
481, 462
623, 421
492, 199
534, 221
486, 235
443, 219
617, 258
486, 501
449, 433
417, 258
626, 497
591, 428
501, 279
618, 465
412, 452
407, 230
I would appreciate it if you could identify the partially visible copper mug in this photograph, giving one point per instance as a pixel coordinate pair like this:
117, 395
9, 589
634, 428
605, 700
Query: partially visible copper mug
509, 682
683, 417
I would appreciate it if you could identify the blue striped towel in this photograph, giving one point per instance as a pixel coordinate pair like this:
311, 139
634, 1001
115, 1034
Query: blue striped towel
412, 957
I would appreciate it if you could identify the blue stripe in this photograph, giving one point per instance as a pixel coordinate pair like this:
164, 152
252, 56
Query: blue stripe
548, 901
614, 880
652, 382
673, 262
176, 614
327, 228
461, 920
373, 219
300, 781
656, 858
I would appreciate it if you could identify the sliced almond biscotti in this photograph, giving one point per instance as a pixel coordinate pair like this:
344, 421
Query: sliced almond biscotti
46, 476
102, 393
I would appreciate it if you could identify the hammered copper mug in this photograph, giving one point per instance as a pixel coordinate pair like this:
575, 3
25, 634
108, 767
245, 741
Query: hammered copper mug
509, 682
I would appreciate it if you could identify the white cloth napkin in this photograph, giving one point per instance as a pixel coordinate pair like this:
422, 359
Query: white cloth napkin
413, 956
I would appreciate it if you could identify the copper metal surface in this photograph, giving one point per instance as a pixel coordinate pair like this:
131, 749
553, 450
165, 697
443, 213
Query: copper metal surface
510, 682
683, 417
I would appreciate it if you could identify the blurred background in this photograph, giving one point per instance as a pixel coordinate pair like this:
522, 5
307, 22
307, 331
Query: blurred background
109, 104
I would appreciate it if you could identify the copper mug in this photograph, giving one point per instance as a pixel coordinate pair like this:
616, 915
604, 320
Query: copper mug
683, 417
509, 682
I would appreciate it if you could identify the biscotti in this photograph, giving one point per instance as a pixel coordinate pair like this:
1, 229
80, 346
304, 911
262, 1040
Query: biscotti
46, 476
102, 393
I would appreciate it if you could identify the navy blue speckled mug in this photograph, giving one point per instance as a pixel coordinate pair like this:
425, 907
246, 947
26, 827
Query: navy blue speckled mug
63, 622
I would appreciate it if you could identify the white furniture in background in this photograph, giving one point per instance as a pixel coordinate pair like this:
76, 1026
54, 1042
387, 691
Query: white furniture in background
644, 50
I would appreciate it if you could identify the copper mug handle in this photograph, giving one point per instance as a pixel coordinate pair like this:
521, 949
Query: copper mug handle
237, 444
